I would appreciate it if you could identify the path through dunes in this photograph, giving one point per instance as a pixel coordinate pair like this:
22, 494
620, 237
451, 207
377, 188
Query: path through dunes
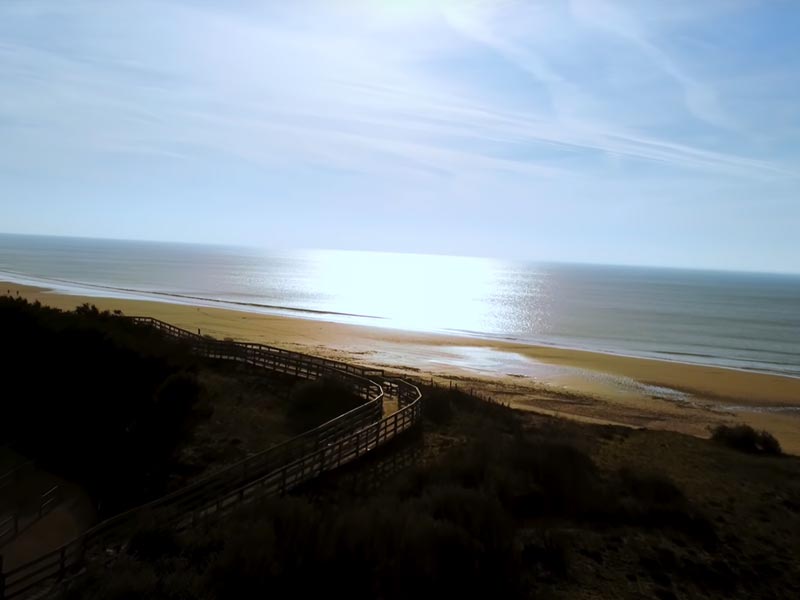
272, 472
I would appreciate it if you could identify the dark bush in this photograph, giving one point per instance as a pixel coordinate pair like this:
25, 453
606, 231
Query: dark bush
174, 400
746, 439
100, 400
650, 488
132, 579
473, 511
653, 500
438, 407
178, 393
313, 403
151, 542
492, 518
451, 542
550, 477
441, 405
770, 444
547, 554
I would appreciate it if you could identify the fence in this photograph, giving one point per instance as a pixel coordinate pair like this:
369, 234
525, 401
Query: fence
15, 474
9, 528
11, 525
272, 472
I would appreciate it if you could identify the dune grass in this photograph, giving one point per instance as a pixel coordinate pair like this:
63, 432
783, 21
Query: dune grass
746, 439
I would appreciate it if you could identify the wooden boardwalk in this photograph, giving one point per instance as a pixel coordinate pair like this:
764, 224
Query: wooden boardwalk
272, 472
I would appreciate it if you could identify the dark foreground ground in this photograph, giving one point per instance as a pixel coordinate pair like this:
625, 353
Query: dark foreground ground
497, 504
485, 502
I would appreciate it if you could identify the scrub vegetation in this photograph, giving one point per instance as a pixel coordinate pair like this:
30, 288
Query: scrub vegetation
495, 503
95, 399
746, 439
130, 415
499, 504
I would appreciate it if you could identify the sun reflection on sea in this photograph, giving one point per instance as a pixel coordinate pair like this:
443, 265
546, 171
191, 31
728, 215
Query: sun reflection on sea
420, 292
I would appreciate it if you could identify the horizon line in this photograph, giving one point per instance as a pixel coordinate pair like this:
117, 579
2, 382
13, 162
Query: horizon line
541, 261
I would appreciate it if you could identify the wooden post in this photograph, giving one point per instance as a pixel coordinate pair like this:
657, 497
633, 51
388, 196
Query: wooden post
62, 562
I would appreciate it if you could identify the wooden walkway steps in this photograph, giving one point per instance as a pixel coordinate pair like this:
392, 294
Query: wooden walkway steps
391, 407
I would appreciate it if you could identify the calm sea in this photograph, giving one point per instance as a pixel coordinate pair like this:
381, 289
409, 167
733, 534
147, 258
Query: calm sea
742, 320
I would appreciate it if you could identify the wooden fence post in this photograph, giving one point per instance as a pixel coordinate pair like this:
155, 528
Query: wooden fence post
62, 562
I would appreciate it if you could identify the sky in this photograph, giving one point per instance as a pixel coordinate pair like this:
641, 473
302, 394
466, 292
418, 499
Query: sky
640, 132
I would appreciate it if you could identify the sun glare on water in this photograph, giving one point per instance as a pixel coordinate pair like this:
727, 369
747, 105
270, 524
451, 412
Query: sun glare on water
415, 292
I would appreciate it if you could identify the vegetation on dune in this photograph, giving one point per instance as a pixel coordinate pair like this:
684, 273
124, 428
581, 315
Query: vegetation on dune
484, 518
127, 413
312, 403
499, 503
95, 398
746, 439
442, 405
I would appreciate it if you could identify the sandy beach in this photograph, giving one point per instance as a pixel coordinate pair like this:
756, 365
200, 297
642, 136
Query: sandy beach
576, 384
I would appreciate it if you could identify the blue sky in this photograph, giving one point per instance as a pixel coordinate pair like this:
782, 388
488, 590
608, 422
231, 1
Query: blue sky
638, 132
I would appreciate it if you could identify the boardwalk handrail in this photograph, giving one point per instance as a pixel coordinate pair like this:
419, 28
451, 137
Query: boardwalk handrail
274, 471
13, 524
182, 334
11, 475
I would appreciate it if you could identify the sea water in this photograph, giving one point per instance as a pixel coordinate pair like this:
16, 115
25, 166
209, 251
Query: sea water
741, 320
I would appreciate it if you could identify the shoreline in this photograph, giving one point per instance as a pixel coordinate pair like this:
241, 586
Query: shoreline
83, 290
75, 288
578, 384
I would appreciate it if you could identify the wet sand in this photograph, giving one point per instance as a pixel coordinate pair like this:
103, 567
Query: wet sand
577, 384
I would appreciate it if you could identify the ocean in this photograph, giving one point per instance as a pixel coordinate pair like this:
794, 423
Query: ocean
741, 320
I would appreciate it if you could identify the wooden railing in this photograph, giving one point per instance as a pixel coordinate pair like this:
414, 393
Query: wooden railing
9, 528
272, 472
14, 475
13, 524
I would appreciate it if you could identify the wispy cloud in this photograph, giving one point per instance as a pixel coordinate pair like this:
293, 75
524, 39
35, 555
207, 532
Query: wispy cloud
346, 100
418, 98
701, 99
